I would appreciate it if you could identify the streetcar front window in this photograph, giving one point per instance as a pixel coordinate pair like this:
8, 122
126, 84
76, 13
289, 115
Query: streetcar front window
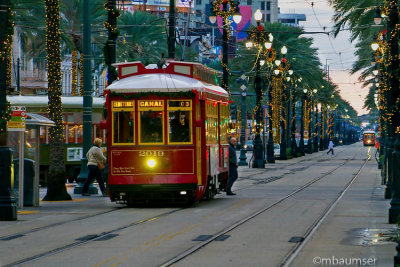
123, 122
151, 127
179, 126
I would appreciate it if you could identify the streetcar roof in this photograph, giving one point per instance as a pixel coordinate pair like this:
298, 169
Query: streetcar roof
42, 101
163, 82
369, 132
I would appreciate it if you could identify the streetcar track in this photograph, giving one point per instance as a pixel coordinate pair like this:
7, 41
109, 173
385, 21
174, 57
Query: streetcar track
88, 240
188, 252
57, 224
202, 244
274, 178
291, 256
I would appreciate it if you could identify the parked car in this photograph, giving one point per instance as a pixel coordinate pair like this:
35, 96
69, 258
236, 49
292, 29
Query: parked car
249, 145
277, 150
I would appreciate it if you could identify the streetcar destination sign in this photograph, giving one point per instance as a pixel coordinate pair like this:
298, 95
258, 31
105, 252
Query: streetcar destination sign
152, 104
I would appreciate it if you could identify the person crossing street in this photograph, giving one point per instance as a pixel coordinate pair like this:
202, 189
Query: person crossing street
330, 147
233, 166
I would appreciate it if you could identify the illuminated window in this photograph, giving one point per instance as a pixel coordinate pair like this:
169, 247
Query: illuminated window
123, 116
151, 113
180, 121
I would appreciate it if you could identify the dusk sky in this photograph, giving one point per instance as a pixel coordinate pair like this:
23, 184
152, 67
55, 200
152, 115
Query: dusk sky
337, 52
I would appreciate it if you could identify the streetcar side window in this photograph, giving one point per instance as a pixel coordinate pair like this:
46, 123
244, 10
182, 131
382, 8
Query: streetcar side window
224, 121
211, 123
123, 122
151, 113
180, 121
123, 127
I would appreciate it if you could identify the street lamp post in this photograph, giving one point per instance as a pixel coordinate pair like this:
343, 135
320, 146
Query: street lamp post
87, 100
282, 155
316, 129
301, 145
308, 110
260, 38
293, 144
229, 8
243, 158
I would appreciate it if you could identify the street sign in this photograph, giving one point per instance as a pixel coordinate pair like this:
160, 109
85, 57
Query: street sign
18, 119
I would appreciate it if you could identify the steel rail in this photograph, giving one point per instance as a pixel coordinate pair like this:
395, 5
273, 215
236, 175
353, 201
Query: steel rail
291, 256
86, 241
202, 244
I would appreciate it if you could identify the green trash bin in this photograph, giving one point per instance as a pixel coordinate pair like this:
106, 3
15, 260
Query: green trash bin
29, 175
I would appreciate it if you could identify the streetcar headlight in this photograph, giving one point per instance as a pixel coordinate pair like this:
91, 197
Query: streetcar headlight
368, 141
151, 163
183, 192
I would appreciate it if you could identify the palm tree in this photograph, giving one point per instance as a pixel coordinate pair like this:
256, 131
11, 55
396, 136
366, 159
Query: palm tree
358, 17
56, 189
6, 36
143, 37
71, 24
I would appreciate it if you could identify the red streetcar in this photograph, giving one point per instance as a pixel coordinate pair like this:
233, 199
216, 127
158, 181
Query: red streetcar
369, 138
167, 133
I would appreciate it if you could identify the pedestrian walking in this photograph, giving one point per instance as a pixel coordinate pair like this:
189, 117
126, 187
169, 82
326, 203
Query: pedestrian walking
330, 147
233, 165
95, 165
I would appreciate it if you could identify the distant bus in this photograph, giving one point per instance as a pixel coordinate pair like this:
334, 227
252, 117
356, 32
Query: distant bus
369, 138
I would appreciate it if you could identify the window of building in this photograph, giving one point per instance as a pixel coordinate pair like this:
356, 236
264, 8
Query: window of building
249, 2
198, 2
269, 17
262, 5
268, 5
198, 13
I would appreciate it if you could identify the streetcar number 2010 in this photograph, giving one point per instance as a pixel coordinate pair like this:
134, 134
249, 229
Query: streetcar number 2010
151, 153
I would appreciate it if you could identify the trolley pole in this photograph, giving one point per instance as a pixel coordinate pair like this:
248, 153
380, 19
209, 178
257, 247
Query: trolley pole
87, 100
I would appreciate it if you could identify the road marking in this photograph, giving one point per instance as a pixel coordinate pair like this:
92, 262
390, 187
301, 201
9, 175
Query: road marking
73, 200
27, 212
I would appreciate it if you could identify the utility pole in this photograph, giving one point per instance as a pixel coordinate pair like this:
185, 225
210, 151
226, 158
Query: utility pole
171, 32
186, 32
111, 44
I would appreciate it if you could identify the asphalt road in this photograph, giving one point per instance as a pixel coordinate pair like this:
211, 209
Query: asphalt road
259, 226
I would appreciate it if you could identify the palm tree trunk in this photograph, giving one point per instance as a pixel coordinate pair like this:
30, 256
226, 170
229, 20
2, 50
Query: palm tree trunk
74, 73
6, 36
56, 189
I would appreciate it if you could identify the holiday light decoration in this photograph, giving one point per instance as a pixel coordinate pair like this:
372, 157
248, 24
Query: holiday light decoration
81, 74
113, 32
54, 70
229, 8
74, 73
276, 105
5, 56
